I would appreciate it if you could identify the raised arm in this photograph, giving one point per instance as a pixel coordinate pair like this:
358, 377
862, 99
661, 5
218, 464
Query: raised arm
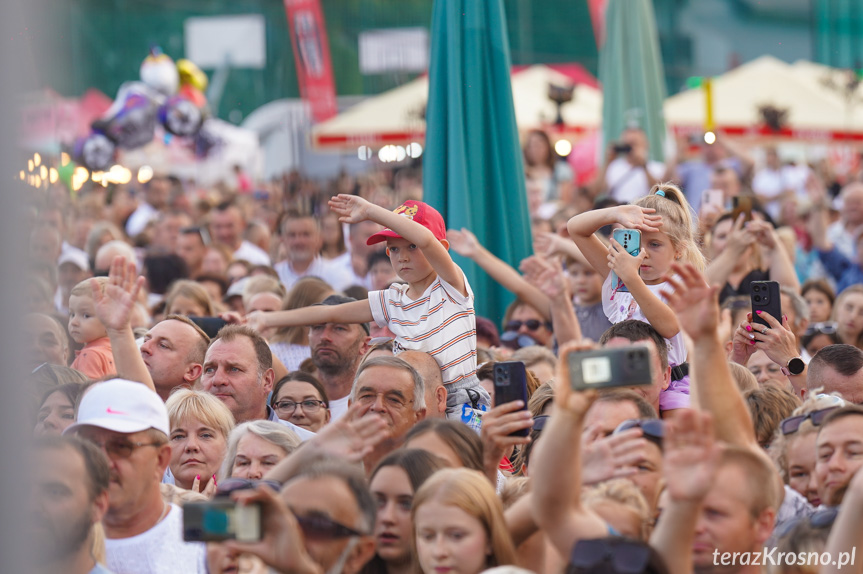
722, 266
582, 229
689, 462
548, 276
466, 244
114, 309
352, 209
555, 467
781, 268
353, 312
712, 387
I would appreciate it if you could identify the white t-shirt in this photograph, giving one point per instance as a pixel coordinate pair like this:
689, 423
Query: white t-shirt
291, 355
252, 253
137, 222
441, 323
334, 274
624, 307
627, 182
338, 407
160, 550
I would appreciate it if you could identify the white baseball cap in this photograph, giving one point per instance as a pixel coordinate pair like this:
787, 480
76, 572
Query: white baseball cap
122, 406
75, 257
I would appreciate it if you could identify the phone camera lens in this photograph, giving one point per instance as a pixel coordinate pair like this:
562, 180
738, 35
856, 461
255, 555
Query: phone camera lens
756, 288
758, 298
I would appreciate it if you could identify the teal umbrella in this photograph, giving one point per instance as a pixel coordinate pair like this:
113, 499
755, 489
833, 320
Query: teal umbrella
631, 74
472, 167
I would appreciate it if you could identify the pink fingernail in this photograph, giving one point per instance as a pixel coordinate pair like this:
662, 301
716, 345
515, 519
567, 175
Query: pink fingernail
214, 480
758, 311
748, 328
785, 317
752, 342
198, 477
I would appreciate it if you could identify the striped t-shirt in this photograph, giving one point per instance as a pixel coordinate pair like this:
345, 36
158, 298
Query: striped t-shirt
441, 323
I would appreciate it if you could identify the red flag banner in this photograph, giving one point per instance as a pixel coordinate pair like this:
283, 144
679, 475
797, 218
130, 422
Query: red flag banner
597, 17
312, 56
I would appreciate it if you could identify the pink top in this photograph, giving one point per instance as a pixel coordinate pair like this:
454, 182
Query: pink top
96, 359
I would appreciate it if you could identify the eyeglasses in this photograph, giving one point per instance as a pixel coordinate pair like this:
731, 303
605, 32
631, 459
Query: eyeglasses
819, 519
792, 424
825, 328
321, 527
539, 422
515, 340
309, 406
230, 485
392, 401
119, 448
531, 324
623, 556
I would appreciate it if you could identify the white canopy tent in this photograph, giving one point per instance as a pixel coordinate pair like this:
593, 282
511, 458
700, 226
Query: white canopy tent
398, 115
811, 111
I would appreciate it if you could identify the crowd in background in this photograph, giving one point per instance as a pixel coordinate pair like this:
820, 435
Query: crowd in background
255, 340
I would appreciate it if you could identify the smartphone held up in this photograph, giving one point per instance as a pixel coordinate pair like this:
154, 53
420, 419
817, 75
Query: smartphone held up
610, 367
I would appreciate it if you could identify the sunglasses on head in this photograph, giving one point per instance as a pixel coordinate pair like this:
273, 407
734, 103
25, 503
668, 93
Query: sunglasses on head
539, 422
652, 428
792, 424
819, 519
321, 527
624, 556
531, 324
825, 328
230, 485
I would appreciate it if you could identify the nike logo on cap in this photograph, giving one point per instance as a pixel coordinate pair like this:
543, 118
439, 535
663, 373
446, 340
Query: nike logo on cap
111, 411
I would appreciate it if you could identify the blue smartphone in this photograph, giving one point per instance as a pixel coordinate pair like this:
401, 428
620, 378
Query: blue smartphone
630, 239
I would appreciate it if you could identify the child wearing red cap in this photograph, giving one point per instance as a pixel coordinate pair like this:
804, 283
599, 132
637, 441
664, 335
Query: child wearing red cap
432, 313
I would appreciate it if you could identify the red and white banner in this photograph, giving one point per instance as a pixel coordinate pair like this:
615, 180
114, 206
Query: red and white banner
312, 57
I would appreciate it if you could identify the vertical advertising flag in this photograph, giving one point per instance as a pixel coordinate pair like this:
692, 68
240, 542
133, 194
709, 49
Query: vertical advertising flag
312, 56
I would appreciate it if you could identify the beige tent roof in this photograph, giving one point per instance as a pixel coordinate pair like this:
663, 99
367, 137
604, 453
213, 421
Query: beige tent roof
398, 115
812, 111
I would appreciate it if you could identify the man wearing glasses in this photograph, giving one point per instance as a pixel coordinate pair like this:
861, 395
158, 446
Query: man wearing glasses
144, 534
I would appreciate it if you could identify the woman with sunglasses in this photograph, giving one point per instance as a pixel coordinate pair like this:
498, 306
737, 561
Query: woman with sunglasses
459, 526
200, 425
393, 484
300, 398
793, 448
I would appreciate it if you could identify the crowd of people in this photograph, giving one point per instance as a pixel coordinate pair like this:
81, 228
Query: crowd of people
313, 350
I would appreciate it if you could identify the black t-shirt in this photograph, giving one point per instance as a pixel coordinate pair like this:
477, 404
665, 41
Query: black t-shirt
745, 285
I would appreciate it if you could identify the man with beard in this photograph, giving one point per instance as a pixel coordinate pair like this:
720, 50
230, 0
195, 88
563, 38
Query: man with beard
337, 350
838, 451
70, 495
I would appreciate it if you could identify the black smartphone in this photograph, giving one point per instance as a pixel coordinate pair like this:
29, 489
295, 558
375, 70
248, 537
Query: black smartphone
209, 325
741, 204
221, 519
765, 296
510, 384
621, 148
610, 367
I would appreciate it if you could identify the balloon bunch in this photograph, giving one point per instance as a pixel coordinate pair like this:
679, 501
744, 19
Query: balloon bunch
168, 94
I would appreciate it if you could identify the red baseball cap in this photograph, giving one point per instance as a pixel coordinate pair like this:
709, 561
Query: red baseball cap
416, 211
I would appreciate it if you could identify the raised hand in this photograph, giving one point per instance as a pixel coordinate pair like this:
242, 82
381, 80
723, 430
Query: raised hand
625, 265
777, 341
741, 237
635, 217
613, 456
497, 426
544, 274
114, 306
743, 342
463, 242
690, 455
567, 399
353, 436
350, 208
694, 301
209, 489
